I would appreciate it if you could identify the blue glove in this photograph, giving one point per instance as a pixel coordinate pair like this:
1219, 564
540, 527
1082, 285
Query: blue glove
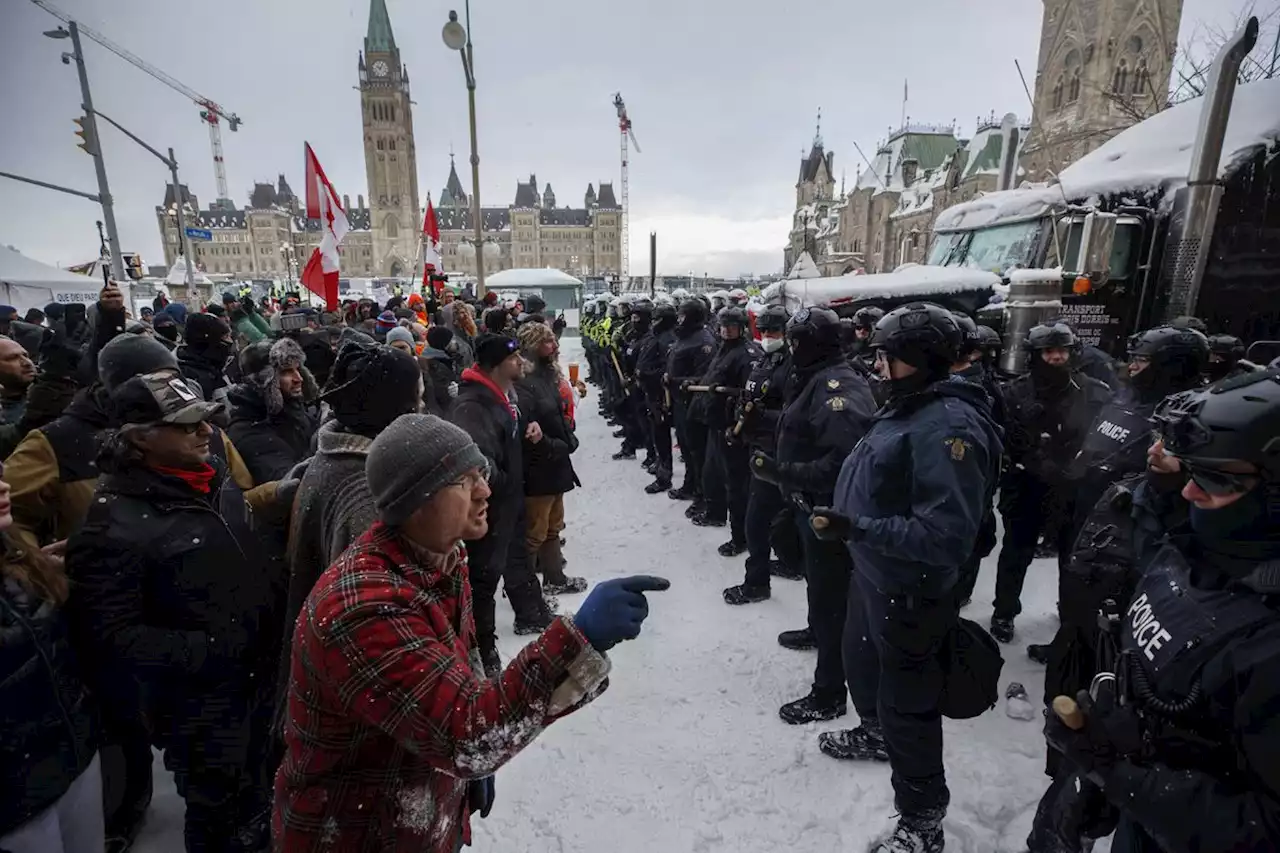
480, 795
615, 610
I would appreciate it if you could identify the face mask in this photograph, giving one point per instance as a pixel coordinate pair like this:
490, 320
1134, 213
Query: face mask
772, 344
1245, 521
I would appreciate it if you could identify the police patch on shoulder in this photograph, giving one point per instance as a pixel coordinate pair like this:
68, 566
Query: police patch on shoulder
833, 384
836, 404
706, 348
958, 447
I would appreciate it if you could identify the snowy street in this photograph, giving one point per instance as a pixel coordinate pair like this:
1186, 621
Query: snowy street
685, 751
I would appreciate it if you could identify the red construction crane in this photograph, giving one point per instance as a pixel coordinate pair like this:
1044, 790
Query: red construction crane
211, 112
624, 127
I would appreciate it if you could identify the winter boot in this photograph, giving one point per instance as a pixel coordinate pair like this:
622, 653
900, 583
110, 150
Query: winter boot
914, 834
704, 520
743, 594
551, 563
1002, 629
619, 433
732, 548
682, 494
778, 569
661, 483
533, 616
865, 743
695, 508
812, 709
492, 662
798, 641
627, 452
649, 464
1038, 653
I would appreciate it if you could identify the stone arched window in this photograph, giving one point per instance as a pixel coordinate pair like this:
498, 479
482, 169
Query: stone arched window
1073, 89
1141, 79
1056, 100
1071, 69
392, 228
1120, 81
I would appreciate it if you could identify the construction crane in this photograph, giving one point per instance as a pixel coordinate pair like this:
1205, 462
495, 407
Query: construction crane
624, 128
211, 113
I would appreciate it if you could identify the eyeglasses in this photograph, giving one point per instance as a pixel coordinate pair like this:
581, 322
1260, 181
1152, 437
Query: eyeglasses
472, 479
1215, 481
189, 429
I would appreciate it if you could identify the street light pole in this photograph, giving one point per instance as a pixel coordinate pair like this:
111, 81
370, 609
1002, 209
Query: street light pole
182, 230
459, 39
99, 164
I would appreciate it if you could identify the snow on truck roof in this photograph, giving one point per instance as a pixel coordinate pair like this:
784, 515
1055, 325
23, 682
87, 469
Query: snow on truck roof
1152, 156
905, 282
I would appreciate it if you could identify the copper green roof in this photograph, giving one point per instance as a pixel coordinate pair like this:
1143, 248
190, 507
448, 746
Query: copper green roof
928, 149
379, 39
987, 159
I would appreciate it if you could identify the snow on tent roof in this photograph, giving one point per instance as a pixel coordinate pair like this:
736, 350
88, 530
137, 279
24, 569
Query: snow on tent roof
804, 267
906, 281
518, 278
178, 274
1156, 154
17, 268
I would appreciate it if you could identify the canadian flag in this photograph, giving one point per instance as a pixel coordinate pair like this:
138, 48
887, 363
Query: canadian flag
321, 273
431, 260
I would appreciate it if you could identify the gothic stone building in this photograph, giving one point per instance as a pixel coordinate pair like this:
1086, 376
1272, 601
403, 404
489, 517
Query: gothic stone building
1104, 65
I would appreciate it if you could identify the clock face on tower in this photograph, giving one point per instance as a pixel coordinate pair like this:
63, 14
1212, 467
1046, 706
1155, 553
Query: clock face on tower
380, 69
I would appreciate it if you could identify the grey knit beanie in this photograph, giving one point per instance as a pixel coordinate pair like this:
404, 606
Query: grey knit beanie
412, 459
400, 333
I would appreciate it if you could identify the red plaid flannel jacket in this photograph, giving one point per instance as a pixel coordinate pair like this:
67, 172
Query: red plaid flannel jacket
388, 718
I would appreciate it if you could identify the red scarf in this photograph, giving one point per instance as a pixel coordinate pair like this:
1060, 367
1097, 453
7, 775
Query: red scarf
475, 374
198, 479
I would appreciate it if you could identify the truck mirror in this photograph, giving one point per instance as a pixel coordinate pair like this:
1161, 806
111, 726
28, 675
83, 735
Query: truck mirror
1096, 242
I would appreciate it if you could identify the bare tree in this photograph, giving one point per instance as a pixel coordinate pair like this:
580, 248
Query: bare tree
1194, 59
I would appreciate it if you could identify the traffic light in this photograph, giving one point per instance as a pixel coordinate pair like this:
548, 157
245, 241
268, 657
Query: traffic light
87, 139
133, 265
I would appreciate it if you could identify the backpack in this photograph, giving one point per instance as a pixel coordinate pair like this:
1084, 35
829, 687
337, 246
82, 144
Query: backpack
972, 663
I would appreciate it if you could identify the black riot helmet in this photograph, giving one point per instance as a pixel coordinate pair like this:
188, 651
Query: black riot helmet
923, 335
732, 317
1238, 419
991, 342
866, 318
664, 317
641, 314
970, 341
814, 336
693, 316
1051, 335
1176, 357
1226, 347
772, 319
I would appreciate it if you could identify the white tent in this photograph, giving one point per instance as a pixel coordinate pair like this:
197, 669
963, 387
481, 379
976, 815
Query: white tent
521, 279
178, 275
27, 283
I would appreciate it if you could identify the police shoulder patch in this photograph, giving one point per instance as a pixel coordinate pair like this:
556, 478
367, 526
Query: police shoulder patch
958, 447
833, 384
836, 403
706, 348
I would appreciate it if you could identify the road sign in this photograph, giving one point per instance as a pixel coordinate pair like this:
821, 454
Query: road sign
200, 234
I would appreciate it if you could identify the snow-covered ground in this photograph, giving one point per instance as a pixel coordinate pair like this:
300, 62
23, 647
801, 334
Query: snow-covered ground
685, 752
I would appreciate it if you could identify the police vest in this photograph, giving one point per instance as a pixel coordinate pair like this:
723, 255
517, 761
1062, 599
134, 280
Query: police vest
1118, 441
1171, 629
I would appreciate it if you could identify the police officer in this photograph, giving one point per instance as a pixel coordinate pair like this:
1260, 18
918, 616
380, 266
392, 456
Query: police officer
992, 346
687, 361
756, 425
1225, 352
651, 365
1182, 738
828, 408
636, 414
1048, 412
909, 504
970, 365
724, 476
864, 324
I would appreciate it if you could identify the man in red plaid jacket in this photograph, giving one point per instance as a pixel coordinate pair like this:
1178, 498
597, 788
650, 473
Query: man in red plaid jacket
393, 733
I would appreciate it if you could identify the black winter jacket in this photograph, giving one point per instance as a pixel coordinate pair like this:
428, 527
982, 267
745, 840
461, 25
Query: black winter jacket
651, 362
688, 360
500, 435
48, 720
1044, 428
827, 412
765, 393
202, 367
730, 369
548, 470
270, 444
438, 374
177, 591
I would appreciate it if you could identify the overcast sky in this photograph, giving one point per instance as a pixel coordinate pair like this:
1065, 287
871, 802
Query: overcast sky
722, 93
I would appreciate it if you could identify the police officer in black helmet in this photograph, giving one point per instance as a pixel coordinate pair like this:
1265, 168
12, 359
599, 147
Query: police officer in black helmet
651, 365
909, 504
1225, 352
755, 427
828, 408
1047, 416
1183, 740
686, 362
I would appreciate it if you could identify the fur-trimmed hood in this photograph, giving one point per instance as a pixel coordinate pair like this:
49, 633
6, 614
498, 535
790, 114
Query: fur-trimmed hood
260, 367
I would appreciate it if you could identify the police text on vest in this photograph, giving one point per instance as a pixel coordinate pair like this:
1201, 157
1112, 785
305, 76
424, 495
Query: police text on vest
1145, 628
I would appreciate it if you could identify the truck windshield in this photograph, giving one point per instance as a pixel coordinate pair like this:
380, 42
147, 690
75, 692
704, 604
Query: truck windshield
997, 249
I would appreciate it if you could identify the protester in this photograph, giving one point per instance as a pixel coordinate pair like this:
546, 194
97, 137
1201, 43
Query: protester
166, 329
50, 772
203, 358
548, 467
442, 376
176, 608
272, 422
383, 674
17, 372
484, 409
402, 339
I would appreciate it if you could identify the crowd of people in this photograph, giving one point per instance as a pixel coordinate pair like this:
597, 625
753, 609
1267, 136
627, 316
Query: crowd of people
267, 541
870, 457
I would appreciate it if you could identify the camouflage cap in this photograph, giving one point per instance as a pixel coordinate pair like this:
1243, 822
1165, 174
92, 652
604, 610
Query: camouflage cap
162, 397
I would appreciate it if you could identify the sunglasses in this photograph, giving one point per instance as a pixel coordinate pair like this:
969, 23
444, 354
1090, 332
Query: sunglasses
1215, 481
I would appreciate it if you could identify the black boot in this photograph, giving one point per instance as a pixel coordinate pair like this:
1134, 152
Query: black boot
703, 520
661, 482
695, 508
619, 433
743, 594
554, 580
682, 494
1002, 629
813, 709
492, 662
649, 464
915, 834
1038, 653
778, 569
732, 548
627, 452
533, 616
865, 743
799, 641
